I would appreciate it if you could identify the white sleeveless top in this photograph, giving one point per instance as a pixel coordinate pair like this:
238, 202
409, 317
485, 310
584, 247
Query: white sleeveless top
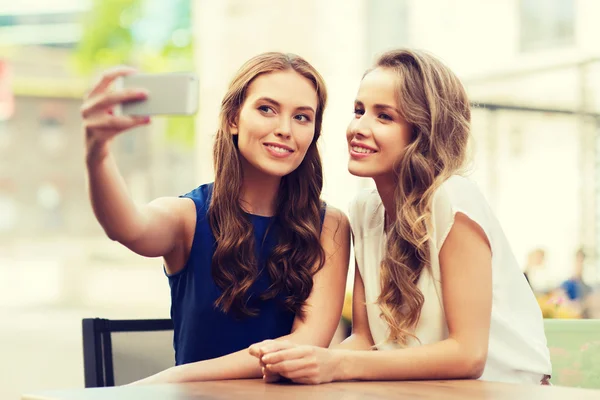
517, 345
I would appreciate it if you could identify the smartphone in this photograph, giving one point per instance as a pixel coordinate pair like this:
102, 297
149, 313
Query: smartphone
168, 94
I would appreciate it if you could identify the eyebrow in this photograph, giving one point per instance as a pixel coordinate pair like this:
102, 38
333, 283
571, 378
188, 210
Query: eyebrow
277, 104
380, 107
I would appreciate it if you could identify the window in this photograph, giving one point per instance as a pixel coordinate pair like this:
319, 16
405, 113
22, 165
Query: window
49, 200
53, 138
546, 24
5, 137
8, 212
9, 207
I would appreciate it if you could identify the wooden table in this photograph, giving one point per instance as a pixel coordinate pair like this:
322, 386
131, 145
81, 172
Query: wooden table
256, 389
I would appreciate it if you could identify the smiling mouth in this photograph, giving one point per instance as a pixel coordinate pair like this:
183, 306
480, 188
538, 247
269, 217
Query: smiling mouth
362, 150
278, 149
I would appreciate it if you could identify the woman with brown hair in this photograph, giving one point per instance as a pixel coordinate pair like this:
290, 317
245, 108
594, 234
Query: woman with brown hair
436, 285
255, 255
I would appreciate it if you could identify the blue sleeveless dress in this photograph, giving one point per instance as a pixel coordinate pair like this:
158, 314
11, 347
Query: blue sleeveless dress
203, 331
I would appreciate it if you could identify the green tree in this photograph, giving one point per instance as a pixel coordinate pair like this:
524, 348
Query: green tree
152, 35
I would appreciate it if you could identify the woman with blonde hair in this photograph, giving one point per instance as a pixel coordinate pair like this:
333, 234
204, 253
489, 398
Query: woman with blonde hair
437, 289
254, 255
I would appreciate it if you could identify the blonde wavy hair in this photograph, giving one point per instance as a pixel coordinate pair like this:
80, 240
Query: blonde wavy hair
434, 102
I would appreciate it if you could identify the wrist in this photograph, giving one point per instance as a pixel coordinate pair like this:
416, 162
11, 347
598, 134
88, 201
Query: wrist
343, 365
96, 152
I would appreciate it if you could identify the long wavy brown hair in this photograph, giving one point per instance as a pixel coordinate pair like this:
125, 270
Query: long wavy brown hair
298, 254
434, 102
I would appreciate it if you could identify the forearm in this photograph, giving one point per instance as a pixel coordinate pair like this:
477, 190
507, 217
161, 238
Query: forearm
238, 365
111, 202
442, 360
355, 342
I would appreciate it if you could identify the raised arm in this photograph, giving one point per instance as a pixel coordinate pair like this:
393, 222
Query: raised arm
323, 311
151, 230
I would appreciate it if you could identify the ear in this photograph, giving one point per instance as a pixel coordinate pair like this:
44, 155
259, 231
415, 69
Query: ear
233, 127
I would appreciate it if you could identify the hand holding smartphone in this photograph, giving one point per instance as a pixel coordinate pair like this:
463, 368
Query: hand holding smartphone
168, 94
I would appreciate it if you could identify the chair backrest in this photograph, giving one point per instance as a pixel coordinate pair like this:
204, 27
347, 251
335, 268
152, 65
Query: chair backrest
575, 351
117, 352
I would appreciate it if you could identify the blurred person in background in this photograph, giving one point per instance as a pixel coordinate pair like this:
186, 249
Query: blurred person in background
575, 289
536, 274
254, 255
437, 288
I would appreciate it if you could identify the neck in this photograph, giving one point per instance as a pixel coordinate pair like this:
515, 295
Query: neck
386, 186
259, 192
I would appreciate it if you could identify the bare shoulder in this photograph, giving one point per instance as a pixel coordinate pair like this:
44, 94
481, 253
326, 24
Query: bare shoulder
179, 212
179, 207
335, 224
173, 203
335, 240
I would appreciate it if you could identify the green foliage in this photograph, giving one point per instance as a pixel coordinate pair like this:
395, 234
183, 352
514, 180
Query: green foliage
151, 35
574, 351
107, 39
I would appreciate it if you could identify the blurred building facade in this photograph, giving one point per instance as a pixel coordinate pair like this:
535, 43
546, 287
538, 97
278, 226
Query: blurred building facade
42, 174
56, 264
537, 158
531, 59
22, 22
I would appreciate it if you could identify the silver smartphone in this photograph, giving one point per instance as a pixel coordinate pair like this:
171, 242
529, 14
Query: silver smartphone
168, 94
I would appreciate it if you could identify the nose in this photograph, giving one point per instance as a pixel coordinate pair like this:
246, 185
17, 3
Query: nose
284, 130
359, 127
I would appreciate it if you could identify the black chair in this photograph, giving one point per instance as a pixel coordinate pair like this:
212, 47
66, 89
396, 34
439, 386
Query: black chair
117, 352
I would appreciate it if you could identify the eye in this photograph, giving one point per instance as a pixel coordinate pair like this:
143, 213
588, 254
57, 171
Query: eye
358, 111
385, 117
266, 109
302, 118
